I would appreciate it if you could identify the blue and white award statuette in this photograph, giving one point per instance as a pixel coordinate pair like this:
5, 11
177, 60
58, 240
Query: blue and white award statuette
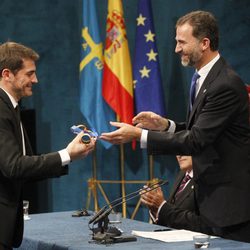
87, 133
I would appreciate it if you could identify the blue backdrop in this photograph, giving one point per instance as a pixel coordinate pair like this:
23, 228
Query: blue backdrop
53, 29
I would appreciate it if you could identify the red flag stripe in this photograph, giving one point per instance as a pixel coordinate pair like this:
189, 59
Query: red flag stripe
112, 88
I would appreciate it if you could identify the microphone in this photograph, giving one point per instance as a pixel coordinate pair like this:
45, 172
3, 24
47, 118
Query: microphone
118, 200
97, 214
102, 213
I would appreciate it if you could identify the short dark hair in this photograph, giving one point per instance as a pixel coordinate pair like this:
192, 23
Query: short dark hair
204, 25
12, 55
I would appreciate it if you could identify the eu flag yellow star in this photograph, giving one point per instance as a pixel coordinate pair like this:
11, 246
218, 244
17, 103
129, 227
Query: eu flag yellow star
145, 72
149, 36
140, 20
152, 55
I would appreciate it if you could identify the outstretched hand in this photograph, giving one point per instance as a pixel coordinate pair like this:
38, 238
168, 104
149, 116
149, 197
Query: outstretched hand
150, 120
125, 133
77, 149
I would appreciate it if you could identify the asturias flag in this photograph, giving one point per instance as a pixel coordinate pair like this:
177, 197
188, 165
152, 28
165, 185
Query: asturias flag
93, 107
117, 75
146, 69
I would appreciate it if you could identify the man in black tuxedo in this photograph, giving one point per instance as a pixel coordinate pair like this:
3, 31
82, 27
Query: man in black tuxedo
180, 210
17, 164
181, 195
216, 132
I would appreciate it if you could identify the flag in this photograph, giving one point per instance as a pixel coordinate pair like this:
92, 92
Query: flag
117, 74
146, 69
92, 105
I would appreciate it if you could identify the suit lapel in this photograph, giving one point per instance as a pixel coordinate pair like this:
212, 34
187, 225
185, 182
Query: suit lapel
185, 193
28, 147
176, 184
207, 82
7, 101
18, 132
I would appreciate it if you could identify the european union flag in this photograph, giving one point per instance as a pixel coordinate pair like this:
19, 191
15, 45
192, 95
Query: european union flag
146, 69
93, 107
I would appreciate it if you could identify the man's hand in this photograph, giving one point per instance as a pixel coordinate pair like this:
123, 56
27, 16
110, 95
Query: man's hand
152, 199
77, 149
150, 120
124, 134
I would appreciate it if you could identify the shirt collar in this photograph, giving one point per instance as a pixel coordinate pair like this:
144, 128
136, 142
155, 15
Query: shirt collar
205, 69
12, 99
190, 173
203, 72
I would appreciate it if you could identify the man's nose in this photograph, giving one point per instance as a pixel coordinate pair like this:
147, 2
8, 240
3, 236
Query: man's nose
34, 79
177, 48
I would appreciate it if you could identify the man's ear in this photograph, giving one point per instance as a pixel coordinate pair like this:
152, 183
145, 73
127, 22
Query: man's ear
6, 74
205, 44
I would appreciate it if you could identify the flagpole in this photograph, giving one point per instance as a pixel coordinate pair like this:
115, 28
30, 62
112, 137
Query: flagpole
94, 171
92, 183
124, 214
124, 205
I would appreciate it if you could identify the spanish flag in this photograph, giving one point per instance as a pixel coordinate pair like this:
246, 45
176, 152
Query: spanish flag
117, 88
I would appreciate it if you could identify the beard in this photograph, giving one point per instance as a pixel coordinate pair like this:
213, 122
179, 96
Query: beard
192, 58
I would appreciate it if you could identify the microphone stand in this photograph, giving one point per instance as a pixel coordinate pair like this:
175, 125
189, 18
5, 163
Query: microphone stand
101, 233
105, 234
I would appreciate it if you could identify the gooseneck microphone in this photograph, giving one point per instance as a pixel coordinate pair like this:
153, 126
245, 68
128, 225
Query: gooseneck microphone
98, 213
111, 204
103, 212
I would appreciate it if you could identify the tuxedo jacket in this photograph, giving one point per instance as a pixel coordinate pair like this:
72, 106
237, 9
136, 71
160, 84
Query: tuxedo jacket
15, 169
217, 135
185, 201
183, 213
